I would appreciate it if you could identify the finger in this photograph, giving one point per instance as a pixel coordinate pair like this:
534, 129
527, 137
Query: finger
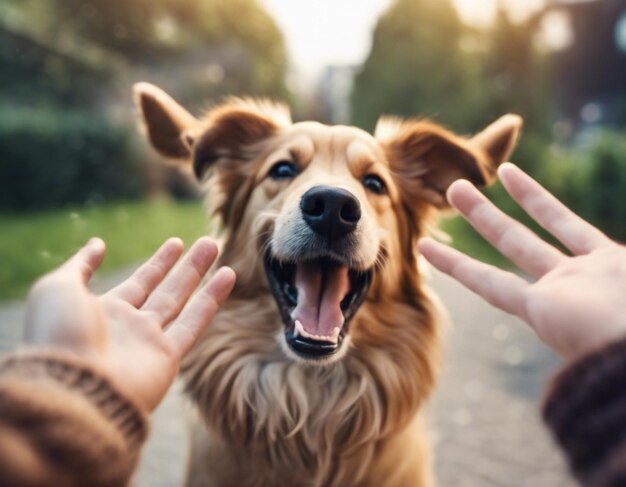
511, 238
170, 296
574, 232
136, 289
85, 262
200, 311
499, 288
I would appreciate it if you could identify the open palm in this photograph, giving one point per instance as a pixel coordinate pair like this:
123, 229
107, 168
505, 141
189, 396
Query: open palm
575, 303
137, 333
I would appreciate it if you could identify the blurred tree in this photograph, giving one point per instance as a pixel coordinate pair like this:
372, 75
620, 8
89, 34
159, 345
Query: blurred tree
72, 63
222, 23
419, 66
202, 48
517, 79
123, 26
35, 71
425, 62
516, 73
166, 32
40, 14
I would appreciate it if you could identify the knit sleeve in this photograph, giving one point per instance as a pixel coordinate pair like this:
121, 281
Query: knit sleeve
586, 410
63, 424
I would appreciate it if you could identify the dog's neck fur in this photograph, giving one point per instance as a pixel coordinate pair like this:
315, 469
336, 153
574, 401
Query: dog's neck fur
284, 417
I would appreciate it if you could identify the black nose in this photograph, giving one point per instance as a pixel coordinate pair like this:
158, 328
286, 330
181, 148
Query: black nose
330, 212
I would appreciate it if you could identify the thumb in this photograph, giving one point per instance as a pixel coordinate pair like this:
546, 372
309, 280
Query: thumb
85, 262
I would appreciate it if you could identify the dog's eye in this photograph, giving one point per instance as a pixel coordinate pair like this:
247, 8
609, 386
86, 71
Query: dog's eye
374, 184
283, 170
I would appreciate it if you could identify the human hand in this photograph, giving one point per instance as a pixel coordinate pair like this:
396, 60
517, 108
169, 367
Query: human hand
577, 303
137, 333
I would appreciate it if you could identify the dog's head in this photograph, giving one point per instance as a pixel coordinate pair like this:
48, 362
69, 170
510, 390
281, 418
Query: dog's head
320, 214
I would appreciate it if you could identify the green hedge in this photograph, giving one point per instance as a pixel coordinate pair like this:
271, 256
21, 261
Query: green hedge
598, 187
53, 158
590, 177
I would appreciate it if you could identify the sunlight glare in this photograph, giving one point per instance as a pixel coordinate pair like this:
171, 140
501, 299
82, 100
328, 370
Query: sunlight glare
482, 12
326, 32
556, 32
476, 12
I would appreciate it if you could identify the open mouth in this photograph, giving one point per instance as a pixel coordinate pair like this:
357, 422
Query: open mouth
317, 299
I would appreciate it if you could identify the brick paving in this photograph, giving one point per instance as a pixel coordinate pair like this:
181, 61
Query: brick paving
484, 419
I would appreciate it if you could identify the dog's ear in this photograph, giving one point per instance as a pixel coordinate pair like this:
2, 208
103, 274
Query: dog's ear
229, 131
425, 158
168, 125
226, 131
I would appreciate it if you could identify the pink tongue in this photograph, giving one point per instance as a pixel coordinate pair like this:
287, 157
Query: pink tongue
319, 297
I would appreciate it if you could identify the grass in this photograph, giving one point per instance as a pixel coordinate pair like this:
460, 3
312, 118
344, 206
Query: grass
32, 244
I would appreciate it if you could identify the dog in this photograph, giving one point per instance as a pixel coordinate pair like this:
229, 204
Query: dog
315, 371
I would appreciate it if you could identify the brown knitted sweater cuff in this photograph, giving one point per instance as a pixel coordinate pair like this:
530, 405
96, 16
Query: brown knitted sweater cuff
61, 419
586, 410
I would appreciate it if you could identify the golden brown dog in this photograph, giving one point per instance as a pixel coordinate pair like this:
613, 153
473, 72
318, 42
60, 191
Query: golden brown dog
314, 372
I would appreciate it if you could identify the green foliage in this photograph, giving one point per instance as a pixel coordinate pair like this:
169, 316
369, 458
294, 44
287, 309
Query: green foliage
517, 79
591, 179
110, 38
244, 23
35, 243
168, 32
72, 63
122, 26
52, 158
417, 68
33, 74
516, 74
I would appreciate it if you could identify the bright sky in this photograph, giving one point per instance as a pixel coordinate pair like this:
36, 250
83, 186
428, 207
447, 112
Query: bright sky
323, 32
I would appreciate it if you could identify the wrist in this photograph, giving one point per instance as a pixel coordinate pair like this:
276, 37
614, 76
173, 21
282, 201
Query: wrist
77, 375
613, 331
585, 408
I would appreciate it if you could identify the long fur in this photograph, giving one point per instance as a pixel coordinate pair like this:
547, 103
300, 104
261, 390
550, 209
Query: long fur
288, 424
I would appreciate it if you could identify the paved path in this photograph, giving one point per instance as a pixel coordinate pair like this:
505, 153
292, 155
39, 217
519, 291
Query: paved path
484, 417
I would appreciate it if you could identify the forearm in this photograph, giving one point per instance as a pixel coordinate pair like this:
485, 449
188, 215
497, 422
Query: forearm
63, 424
586, 410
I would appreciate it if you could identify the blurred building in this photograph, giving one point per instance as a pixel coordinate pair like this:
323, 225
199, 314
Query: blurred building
333, 94
590, 66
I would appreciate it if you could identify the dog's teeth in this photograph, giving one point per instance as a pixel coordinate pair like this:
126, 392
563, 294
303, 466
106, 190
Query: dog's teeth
298, 328
300, 331
334, 336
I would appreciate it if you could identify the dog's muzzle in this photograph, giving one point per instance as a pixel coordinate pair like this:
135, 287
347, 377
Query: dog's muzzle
316, 289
